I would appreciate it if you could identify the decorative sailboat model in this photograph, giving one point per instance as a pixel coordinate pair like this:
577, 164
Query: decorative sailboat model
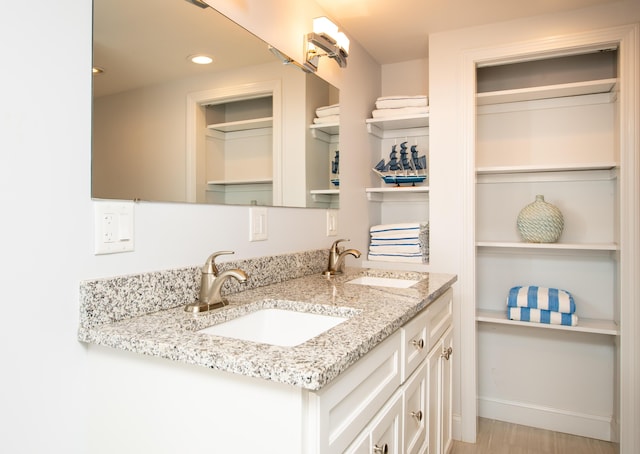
404, 170
335, 170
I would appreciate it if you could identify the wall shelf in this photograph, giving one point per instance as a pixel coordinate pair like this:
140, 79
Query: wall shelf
324, 195
401, 126
327, 132
547, 91
408, 193
549, 246
585, 325
239, 182
242, 125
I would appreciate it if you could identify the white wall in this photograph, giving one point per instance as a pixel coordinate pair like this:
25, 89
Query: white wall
447, 145
47, 223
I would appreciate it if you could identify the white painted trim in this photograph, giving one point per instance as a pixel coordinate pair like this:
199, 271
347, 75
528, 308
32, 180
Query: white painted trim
627, 38
527, 414
629, 352
245, 91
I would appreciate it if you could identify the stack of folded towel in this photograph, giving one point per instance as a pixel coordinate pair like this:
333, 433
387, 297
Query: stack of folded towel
394, 106
327, 114
399, 242
542, 305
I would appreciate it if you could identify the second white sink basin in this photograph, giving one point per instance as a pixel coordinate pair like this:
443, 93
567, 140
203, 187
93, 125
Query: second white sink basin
383, 281
275, 326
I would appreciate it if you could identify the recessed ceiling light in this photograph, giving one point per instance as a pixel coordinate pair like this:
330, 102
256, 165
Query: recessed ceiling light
96, 70
201, 59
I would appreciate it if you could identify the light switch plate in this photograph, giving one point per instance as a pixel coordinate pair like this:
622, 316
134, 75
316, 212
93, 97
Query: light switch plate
332, 222
257, 224
113, 227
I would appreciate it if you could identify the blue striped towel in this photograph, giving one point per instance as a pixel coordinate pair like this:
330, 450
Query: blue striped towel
534, 297
527, 314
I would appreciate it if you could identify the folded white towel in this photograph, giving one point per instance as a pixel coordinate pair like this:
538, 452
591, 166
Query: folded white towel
394, 227
405, 249
328, 119
325, 111
397, 241
391, 102
401, 111
395, 258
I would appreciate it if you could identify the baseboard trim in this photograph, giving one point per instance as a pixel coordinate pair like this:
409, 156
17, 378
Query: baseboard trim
582, 424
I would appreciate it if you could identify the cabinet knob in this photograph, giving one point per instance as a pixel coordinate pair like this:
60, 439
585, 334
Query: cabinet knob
446, 353
417, 415
380, 449
418, 343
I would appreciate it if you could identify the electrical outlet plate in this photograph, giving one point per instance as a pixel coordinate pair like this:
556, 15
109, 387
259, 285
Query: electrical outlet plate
332, 222
257, 224
113, 227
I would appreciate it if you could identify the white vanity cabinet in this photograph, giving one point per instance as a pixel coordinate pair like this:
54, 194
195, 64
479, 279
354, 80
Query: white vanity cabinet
418, 415
393, 400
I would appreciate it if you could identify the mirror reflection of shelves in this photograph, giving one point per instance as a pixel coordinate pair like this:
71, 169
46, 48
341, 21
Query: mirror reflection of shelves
239, 150
328, 196
327, 132
242, 125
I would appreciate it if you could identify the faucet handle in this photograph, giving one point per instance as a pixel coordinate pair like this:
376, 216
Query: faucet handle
210, 265
334, 246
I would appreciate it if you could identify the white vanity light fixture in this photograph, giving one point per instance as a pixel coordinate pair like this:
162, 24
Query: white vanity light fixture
326, 40
200, 59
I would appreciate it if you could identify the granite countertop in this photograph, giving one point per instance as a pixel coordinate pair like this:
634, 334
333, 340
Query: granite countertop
373, 313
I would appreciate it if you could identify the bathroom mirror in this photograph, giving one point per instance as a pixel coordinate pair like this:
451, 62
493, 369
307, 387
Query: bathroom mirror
237, 131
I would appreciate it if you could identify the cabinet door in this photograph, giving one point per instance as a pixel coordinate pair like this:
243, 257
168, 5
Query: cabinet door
415, 411
385, 433
439, 398
446, 394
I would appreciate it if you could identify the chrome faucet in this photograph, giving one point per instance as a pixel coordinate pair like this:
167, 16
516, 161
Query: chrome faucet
336, 258
211, 283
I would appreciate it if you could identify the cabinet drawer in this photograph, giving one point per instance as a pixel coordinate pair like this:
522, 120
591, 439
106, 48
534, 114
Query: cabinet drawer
423, 331
439, 318
414, 343
340, 411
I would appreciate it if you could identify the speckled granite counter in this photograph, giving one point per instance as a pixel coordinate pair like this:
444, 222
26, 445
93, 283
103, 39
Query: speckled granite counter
373, 314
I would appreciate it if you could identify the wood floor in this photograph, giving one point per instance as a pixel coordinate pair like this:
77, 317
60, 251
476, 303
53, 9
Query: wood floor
497, 437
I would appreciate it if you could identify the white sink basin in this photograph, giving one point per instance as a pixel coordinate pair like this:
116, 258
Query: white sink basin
275, 327
383, 281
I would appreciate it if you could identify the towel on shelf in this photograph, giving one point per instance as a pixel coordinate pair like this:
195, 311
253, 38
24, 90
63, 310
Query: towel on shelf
534, 297
400, 242
326, 111
395, 258
392, 102
409, 229
398, 112
328, 119
527, 314
400, 249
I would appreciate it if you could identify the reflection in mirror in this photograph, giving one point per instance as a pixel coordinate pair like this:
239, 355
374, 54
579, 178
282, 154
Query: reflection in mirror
242, 130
